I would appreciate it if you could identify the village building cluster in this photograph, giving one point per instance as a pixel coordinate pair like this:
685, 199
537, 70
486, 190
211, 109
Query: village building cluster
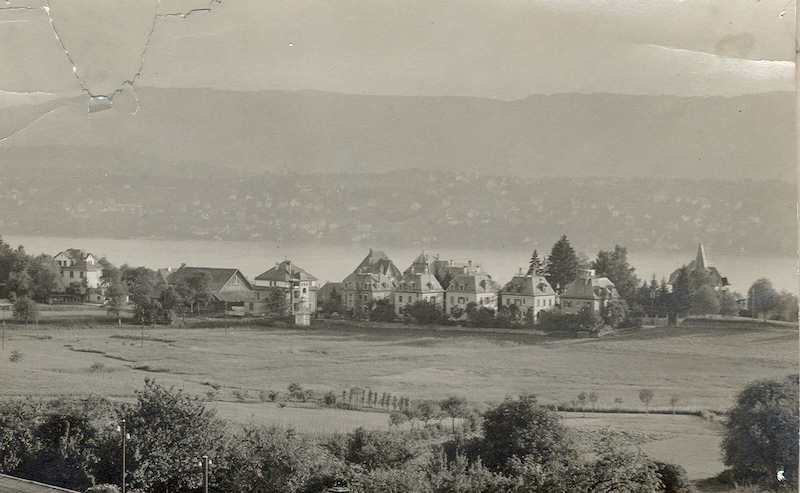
450, 286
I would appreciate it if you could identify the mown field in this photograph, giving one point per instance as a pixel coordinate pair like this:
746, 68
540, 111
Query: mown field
702, 366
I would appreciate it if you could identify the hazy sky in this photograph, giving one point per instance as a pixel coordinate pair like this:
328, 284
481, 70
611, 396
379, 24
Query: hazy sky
505, 49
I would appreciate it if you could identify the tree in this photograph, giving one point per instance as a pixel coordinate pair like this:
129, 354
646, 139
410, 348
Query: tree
372, 449
536, 266
673, 401
762, 298
582, 400
593, 399
334, 303
140, 282
270, 460
646, 396
562, 264
521, 428
761, 432
423, 312
169, 430
26, 310
20, 284
614, 265
615, 312
479, 316
704, 301
277, 305
728, 303
116, 294
381, 310
454, 407
199, 286
45, 276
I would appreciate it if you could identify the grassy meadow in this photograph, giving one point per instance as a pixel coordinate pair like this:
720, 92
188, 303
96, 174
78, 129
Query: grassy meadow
703, 366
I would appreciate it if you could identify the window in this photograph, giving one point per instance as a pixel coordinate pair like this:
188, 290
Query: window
452, 299
400, 299
81, 273
251, 307
461, 300
72, 273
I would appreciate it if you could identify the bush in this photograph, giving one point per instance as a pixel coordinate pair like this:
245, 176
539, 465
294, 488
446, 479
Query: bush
523, 428
371, 449
424, 313
97, 367
673, 477
26, 310
15, 356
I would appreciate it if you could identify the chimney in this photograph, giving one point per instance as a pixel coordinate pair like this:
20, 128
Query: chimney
520, 271
183, 265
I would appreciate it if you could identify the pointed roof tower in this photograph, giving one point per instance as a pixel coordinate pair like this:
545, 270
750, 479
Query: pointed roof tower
700, 261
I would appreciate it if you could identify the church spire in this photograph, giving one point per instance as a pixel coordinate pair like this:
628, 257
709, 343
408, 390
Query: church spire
700, 261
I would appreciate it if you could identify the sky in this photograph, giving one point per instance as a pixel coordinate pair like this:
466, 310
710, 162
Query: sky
503, 49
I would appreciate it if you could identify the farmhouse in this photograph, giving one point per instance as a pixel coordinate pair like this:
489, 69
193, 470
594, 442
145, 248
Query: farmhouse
529, 293
294, 286
375, 278
226, 286
418, 284
588, 291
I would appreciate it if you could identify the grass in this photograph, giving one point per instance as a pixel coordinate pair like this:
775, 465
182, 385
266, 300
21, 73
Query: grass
704, 365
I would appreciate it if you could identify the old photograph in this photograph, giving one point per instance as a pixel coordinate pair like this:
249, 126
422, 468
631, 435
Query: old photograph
524, 246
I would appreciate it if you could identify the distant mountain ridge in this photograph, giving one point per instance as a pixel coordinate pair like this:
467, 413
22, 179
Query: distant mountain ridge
563, 135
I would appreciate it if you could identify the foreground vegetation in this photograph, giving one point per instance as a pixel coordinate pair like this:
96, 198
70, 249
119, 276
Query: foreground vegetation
515, 446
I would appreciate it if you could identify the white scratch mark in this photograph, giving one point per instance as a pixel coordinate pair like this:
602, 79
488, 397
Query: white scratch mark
28, 125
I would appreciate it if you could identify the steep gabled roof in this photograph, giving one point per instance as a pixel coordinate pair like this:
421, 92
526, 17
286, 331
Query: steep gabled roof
285, 271
529, 286
219, 277
377, 262
74, 254
422, 264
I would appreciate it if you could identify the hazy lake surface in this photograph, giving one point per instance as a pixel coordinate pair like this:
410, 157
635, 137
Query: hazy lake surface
335, 262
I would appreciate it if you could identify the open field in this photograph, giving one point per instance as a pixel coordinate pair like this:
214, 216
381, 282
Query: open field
703, 366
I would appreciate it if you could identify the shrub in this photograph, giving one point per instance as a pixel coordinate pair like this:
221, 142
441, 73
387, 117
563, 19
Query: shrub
520, 428
97, 367
329, 399
240, 394
371, 449
674, 478
15, 356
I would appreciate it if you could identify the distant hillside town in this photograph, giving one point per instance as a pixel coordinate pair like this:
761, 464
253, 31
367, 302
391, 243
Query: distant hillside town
410, 208
561, 290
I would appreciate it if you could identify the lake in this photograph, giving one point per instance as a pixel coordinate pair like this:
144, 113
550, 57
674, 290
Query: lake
335, 262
